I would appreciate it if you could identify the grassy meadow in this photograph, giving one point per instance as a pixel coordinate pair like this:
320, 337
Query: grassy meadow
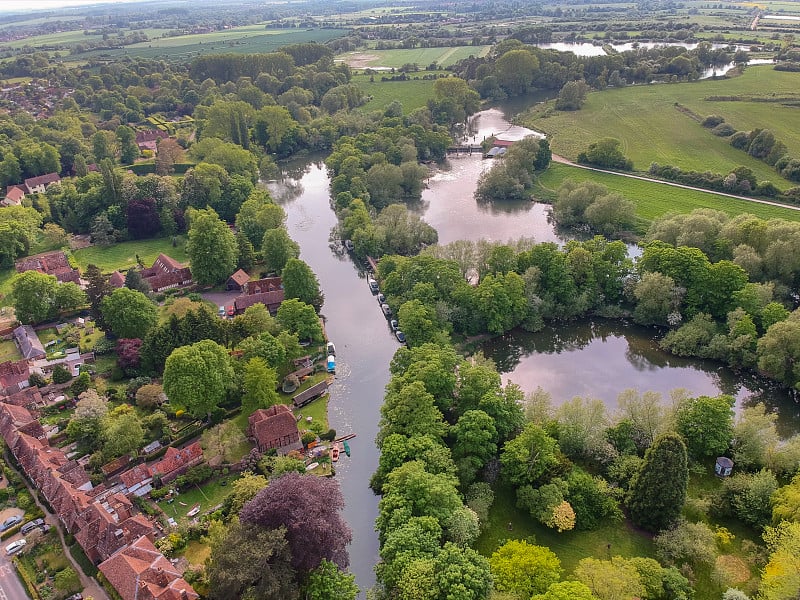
411, 94
233, 41
655, 199
123, 256
651, 129
422, 56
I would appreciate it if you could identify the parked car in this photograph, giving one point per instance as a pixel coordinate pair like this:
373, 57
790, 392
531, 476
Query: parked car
373, 285
387, 311
221, 311
394, 325
30, 526
16, 546
401, 337
381, 298
231, 310
10, 522
77, 596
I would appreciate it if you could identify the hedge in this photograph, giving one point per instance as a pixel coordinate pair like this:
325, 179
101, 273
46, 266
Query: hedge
87, 566
22, 572
148, 167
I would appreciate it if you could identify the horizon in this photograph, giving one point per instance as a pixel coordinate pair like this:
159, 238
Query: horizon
26, 6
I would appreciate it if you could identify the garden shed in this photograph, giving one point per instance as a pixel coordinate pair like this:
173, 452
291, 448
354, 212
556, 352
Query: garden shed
723, 466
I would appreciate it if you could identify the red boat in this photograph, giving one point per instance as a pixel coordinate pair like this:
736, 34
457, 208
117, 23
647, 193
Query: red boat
335, 452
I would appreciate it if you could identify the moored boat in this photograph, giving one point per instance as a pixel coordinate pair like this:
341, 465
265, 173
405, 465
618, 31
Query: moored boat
335, 452
346, 447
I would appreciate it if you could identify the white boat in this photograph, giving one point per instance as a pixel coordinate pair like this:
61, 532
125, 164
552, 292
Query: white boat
312, 466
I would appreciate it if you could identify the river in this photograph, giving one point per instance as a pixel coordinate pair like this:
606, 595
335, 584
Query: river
597, 359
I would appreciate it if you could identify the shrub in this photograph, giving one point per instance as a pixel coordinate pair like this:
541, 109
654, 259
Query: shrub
37, 379
328, 436
712, 121
723, 130
158, 494
692, 543
61, 374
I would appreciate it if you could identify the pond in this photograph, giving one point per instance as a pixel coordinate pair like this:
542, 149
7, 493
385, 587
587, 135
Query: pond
600, 359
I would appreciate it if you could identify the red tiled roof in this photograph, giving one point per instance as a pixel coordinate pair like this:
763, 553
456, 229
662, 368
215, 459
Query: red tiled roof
12, 373
30, 396
177, 459
140, 572
15, 194
150, 135
116, 279
274, 427
240, 277
271, 300
137, 474
160, 281
267, 284
52, 263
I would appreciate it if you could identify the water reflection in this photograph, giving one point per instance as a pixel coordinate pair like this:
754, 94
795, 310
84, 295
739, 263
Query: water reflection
603, 358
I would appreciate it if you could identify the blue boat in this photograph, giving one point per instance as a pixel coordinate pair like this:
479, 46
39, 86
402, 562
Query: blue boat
346, 447
331, 363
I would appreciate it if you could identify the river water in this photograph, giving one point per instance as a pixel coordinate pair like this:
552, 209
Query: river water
598, 359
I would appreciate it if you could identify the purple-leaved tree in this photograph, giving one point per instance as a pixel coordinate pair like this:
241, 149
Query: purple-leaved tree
309, 508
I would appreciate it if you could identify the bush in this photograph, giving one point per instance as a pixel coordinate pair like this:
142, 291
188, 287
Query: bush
329, 436
693, 543
37, 379
61, 374
712, 121
724, 130
158, 494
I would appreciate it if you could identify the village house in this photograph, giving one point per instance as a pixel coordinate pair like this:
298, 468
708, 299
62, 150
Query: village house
267, 291
237, 281
38, 185
14, 195
177, 462
13, 376
29, 344
138, 480
50, 263
116, 280
140, 572
274, 427
148, 140
166, 273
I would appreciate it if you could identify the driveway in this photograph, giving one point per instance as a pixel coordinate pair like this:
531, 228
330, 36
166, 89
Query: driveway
11, 587
219, 298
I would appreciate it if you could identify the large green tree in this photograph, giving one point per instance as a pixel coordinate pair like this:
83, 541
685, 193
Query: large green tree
260, 384
328, 582
299, 318
211, 248
39, 297
300, 282
277, 248
128, 313
658, 491
197, 377
706, 424
524, 569
529, 456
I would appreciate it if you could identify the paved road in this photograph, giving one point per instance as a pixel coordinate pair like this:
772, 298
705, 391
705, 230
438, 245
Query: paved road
11, 587
566, 161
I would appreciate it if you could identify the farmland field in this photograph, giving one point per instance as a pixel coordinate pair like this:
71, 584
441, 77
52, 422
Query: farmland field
421, 56
234, 41
411, 94
122, 256
654, 199
673, 137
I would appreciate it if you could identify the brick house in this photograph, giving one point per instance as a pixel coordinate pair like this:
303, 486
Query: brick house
140, 572
137, 480
167, 273
274, 427
13, 376
177, 462
237, 281
116, 280
14, 195
50, 263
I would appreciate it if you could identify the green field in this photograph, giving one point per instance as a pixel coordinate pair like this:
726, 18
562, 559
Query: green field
421, 56
570, 546
230, 41
411, 94
123, 256
645, 119
654, 199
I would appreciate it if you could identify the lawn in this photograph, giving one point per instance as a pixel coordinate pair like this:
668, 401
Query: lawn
207, 496
569, 546
197, 552
8, 351
5, 286
411, 94
317, 410
123, 256
655, 199
422, 56
645, 119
